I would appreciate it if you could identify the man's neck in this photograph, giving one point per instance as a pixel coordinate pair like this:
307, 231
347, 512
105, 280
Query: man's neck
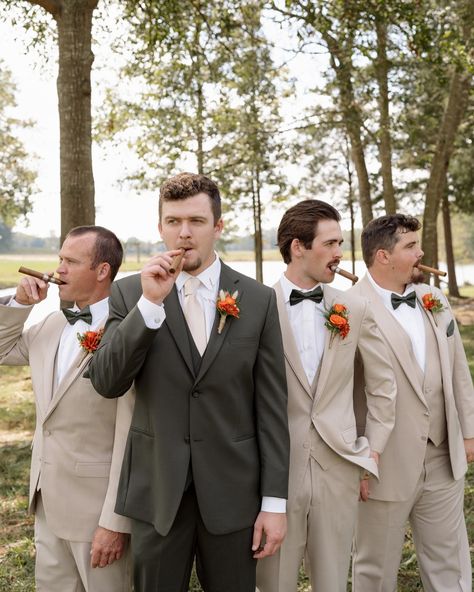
299, 279
387, 282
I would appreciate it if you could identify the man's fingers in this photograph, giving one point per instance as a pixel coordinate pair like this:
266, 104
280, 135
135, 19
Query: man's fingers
257, 537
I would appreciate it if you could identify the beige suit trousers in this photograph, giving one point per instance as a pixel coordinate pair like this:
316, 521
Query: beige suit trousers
321, 521
435, 513
64, 566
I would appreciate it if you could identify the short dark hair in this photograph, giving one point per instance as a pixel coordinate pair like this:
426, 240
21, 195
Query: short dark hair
107, 247
187, 185
300, 222
384, 233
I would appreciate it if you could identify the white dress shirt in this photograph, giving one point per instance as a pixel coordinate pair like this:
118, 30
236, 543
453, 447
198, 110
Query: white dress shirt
307, 323
207, 292
411, 320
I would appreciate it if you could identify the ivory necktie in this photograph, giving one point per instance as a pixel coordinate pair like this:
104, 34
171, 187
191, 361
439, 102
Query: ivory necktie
194, 314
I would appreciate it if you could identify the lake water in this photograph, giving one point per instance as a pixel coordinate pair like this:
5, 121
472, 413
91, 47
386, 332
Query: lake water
272, 271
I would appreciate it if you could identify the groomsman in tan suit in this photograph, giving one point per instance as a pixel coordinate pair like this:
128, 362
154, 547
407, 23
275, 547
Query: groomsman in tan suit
423, 465
327, 459
80, 437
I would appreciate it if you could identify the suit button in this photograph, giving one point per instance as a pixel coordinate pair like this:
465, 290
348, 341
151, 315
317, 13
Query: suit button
306, 444
195, 394
424, 438
187, 439
47, 433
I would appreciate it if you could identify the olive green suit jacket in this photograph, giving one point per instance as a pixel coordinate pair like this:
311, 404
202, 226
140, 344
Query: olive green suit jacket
226, 416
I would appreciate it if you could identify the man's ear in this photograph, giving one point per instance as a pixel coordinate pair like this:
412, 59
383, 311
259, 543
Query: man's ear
296, 248
103, 271
382, 256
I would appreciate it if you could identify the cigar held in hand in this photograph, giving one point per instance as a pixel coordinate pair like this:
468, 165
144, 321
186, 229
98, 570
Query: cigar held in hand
46, 277
176, 261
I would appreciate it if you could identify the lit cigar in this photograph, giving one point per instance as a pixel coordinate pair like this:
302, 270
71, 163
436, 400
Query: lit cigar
432, 270
176, 261
347, 274
41, 276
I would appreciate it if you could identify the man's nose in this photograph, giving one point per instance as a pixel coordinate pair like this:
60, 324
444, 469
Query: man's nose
185, 230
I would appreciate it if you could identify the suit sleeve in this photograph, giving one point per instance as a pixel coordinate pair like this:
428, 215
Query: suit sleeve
108, 518
123, 348
380, 384
271, 407
462, 381
14, 342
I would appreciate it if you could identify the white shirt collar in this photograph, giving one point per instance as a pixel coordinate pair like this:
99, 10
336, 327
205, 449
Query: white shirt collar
209, 277
99, 309
287, 286
385, 294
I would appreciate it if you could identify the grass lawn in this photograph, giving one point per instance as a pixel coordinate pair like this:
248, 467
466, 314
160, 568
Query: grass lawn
16, 526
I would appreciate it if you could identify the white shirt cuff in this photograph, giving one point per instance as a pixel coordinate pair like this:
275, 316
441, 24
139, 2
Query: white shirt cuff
273, 504
14, 304
153, 314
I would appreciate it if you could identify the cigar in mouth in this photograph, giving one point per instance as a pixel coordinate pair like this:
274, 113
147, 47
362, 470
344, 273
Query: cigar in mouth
46, 277
347, 274
176, 261
432, 270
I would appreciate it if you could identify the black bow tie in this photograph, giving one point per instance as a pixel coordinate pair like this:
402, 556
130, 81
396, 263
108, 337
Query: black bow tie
315, 295
73, 316
409, 299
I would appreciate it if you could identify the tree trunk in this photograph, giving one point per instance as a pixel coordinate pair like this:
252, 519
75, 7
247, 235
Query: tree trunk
448, 240
458, 98
350, 201
342, 66
74, 23
257, 222
385, 148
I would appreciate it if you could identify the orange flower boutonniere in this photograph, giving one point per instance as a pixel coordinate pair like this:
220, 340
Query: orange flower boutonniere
89, 342
337, 321
227, 305
432, 304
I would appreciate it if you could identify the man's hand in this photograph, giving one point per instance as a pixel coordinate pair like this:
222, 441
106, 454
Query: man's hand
31, 291
469, 448
365, 481
107, 546
364, 489
272, 526
157, 281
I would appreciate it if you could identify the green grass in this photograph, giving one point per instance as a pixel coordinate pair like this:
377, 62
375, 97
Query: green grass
16, 526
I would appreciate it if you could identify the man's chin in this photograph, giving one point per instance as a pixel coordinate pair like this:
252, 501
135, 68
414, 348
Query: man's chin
192, 265
417, 276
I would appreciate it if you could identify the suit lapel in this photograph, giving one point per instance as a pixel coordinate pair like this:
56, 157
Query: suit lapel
177, 326
228, 281
55, 327
329, 353
289, 344
396, 338
75, 370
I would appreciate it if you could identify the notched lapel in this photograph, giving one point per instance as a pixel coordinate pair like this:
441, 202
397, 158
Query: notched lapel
228, 282
289, 344
176, 324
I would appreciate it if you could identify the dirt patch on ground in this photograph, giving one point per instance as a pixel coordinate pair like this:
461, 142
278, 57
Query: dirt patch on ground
463, 309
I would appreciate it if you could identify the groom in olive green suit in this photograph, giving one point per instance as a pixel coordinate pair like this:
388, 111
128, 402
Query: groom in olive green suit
205, 472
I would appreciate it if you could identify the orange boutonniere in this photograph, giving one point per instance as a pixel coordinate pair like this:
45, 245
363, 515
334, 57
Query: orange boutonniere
432, 304
89, 342
337, 321
227, 306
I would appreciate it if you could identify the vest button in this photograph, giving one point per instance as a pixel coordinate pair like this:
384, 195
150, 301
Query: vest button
195, 394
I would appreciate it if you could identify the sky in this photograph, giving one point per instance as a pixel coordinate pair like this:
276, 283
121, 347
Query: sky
128, 215
118, 207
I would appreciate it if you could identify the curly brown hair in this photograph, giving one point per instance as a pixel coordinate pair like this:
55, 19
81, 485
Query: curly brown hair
187, 185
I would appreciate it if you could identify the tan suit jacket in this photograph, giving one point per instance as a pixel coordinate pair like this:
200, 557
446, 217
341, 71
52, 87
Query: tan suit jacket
330, 407
401, 464
80, 437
